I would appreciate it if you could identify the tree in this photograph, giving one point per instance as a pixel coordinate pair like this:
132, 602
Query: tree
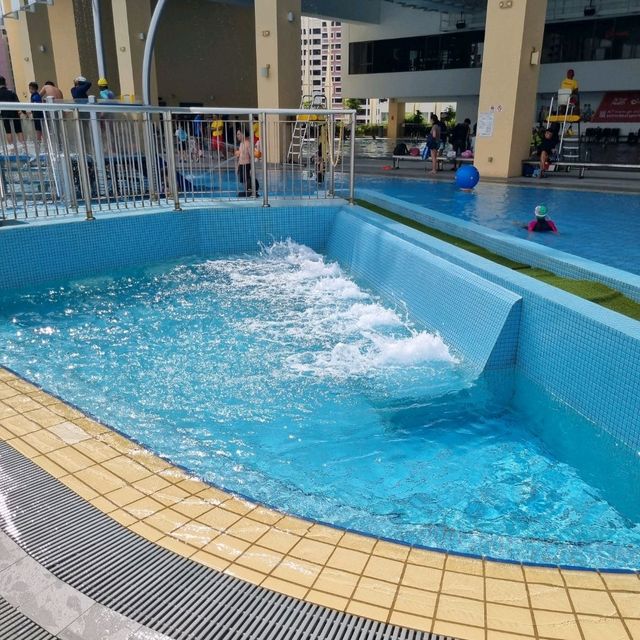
353, 103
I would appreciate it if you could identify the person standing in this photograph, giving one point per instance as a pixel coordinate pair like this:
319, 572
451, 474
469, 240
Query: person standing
10, 118
49, 90
570, 85
243, 159
79, 90
433, 141
460, 136
38, 116
105, 92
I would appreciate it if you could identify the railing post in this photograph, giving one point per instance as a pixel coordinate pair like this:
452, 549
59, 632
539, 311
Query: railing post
352, 160
331, 191
150, 157
171, 158
98, 155
252, 157
83, 172
265, 159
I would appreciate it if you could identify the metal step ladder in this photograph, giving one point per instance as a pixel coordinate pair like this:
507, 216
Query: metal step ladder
569, 140
301, 128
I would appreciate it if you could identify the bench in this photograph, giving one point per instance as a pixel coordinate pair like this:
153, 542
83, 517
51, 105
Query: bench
583, 166
440, 160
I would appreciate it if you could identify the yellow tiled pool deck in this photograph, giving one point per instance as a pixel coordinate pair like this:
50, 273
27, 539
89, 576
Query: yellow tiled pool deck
442, 593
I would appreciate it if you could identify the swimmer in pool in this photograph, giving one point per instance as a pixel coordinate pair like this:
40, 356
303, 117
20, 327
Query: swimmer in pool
541, 222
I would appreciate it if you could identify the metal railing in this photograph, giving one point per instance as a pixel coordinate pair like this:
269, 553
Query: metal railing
58, 159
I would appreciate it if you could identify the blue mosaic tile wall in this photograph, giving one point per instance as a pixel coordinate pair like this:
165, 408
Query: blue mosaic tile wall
584, 354
558, 262
49, 251
443, 297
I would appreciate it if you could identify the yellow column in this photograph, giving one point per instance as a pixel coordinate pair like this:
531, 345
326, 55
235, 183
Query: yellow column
64, 40
396, 118
131, 20
508, 85
21, 55
278, 53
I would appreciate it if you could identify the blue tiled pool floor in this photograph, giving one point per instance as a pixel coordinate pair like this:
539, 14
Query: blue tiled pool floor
603, 227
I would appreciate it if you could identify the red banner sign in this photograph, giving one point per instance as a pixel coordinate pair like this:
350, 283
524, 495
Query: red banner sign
618, 106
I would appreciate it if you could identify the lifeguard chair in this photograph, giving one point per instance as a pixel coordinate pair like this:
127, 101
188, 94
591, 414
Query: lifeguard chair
566, 115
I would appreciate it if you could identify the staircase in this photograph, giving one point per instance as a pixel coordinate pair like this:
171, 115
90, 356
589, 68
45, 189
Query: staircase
569, 140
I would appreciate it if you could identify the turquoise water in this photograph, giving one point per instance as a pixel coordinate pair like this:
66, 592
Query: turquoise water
604, 227
278, 377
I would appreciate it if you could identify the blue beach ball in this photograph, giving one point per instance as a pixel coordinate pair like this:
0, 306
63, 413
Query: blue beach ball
467, 177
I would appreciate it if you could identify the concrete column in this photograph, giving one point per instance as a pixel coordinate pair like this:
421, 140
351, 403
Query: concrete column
508, 84
21, 55
131, 19
277, 24
396, 119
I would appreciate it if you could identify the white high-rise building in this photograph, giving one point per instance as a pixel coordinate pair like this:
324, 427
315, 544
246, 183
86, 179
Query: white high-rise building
322, 59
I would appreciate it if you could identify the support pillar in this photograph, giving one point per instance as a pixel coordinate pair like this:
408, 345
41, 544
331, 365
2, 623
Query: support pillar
64, 40
508, 85
20, 50
396, 119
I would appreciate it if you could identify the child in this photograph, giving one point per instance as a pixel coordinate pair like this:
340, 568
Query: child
541, 222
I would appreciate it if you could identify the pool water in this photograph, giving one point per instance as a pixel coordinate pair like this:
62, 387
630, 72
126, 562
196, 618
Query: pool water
603, 227
276, 376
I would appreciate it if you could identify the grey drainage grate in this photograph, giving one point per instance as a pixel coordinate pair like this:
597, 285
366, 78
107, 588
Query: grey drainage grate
156, 587
16, 626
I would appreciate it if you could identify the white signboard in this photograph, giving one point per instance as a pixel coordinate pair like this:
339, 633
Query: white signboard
485, 124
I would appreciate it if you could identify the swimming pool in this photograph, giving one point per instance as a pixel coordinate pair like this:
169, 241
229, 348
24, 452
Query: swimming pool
603, 227
275, 375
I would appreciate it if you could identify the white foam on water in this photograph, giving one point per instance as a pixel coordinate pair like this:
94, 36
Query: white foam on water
338, 328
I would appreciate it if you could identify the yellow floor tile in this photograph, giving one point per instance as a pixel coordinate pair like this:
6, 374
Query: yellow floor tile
209, 560
23, 386
279, 540
448, 628
312, 550
463, 585
376, 592
506, 592
176, 546
353, 561
126, 469
583, 579
117, 442
622, 581
197, 535
543, 575
261, 559
44, 441
416, 602
411, 621
106, 506
124, 495
560, 626
597, 628
172, 475
391, 551
19, 425
634, 628
96, 450
124, 518
193, 486
513, 619
21, 403
146, 531
383, 569
218, 518
69, 432
504, 570
628, 603
144, 508
239, 506
7, 391
44, 417
492, 634
166, 520
65, 411
7, 375
367, 610
79, 487
335, 581
169, 494
50, 467
592, 602
91, 426
426, 558
461, 564
25, 449
327, 600
43, 398
544, 596
357, 543
152, 484
70, 459
325, 534
214, 497
282, 586
5, 434
192, 507
6, 411
100, 479
227, 547
460, 610
244, 573
248, 530
297, 571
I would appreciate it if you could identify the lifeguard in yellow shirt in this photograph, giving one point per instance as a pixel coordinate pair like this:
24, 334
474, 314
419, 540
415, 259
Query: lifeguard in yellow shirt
217, 137
570, 84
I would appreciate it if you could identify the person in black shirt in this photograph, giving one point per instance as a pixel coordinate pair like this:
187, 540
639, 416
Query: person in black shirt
545, 148
460, 136
80, 88
10, 118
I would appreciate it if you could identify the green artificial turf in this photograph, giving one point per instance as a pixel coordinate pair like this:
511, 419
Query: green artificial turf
588, 289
